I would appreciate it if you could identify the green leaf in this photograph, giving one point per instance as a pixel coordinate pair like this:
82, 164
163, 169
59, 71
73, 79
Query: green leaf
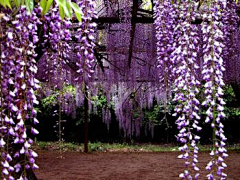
60, 2
79, 16
77, 11
43, 4
61, 12
17, 3
5, 3
66, 9
75, 7
2, 2
29, 4
49, 3
8, 4
69, 9
47, 6
63, 6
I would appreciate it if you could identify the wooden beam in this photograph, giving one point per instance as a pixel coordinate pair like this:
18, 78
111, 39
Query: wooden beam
146, 11
132, 32
115, 20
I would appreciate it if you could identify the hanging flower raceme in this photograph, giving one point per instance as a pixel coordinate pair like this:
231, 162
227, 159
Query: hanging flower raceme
86, 36
212, 72
186, 88
57, 36
164, 25
85, 48
18, 84
7, 122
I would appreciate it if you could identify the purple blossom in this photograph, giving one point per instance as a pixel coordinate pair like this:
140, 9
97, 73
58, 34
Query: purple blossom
18, 75
183, 65
2, 143
213, 69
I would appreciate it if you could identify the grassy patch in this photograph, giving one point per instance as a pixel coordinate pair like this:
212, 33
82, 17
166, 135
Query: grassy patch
105, 147
57, 146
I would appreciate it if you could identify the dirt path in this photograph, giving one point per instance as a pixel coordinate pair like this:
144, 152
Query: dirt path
121, 166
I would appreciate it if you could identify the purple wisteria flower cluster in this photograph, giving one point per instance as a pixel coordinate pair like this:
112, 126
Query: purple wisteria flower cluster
86, 35
165, 23
179, 40
180, 31
18, 85
213, 68
19, 37
57, 37
186, 88
180, 56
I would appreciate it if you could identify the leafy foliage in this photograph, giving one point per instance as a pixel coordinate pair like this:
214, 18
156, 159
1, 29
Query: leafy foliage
232, 109
66, 7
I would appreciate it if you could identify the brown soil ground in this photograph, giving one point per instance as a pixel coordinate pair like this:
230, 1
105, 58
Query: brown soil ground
122, 166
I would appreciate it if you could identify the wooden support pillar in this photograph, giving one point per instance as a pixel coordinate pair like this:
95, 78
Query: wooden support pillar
132, 31
86, 115
236, 89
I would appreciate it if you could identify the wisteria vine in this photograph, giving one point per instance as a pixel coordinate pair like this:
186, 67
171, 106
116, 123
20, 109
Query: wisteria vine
185, 61
85, 37
18, 83
186, 90
213, 68
188, 53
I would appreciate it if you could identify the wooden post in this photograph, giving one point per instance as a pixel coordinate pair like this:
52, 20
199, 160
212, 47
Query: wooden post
236, 89
86, 119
